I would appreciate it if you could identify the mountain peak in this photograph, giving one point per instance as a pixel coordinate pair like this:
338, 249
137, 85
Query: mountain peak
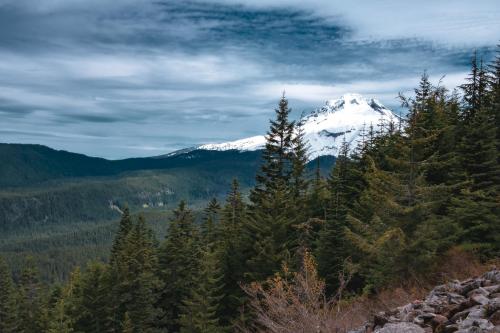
326, 127
350, 98
351, 102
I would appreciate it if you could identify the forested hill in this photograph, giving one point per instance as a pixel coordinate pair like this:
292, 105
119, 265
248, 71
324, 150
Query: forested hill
62, 207
27, 165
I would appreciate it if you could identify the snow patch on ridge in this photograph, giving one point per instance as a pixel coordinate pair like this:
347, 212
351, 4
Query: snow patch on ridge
252, 143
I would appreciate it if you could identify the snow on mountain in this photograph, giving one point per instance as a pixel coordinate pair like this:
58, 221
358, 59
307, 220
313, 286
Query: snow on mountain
325, 128
252, 143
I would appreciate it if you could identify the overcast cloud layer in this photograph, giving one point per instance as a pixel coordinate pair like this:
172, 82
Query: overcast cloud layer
142, 77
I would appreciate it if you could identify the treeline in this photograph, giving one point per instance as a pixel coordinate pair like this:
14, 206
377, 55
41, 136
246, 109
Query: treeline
410, 191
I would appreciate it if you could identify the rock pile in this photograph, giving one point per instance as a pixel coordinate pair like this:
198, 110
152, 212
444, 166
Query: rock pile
471, 306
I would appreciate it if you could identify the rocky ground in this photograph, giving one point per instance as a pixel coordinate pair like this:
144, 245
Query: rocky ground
471, 306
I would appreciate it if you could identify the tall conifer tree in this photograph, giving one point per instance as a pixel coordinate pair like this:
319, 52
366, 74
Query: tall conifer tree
8, 308
201, 309
233, 254
210, 227
178, 265
123, 229
31, 300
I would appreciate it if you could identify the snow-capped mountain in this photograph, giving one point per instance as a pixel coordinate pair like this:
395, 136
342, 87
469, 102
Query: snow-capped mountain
326, 127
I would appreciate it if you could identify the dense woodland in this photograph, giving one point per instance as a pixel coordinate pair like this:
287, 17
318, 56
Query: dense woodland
388, 210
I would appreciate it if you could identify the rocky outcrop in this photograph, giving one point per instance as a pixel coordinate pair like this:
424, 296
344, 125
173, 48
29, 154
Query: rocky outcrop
471, 306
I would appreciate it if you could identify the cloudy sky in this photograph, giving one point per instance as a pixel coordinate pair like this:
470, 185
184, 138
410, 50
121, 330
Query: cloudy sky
122, 78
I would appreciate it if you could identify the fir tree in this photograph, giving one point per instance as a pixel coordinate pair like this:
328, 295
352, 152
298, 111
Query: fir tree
178, 265
132, 278
477, 208
316, 203
299, 162
89, 300
475, 88
331, 248
318, 195
210, 228
233, 254
8, 308
123, 230
141, 283
494, 97
277, 166
270, 230
128, 326
60, 322
273, 216
30, 314
200, 310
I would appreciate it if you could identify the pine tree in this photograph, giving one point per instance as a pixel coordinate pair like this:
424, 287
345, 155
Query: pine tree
200, 310
494, 96
299, 162
316, 203
317, 195
475, 88
233, 254
131, 278
128, 326
272, 233
140, 255
273, 217
60, 322
210, 228
298, 191
178, 265
331, 248
31, 303
477, 208
386, 224
123, 230
277, 165
8, 308
89, 300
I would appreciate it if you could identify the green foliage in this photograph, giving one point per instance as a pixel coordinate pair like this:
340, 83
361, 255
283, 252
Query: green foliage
210, 226
8, 306
200, 310
278, 198
59, 321
179, 258
67, 222
332, 248
89, 299
31, 301
233, 253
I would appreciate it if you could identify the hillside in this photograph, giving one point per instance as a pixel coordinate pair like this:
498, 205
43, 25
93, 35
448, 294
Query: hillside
32, 165
63, 187
73, 201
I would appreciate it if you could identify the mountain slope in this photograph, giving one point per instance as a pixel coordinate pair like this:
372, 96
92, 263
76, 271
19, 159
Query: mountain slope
42, 186
325, 128
30, 165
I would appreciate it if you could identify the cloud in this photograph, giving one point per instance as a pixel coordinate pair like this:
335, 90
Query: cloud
123, 78
460, 22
